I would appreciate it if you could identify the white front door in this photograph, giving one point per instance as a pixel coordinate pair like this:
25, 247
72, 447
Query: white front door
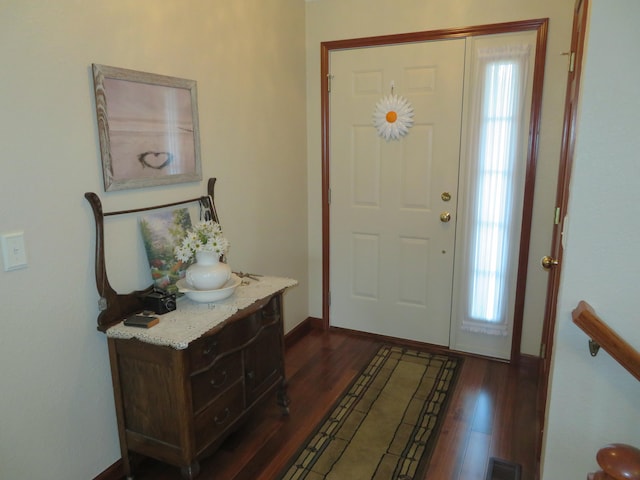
391, 254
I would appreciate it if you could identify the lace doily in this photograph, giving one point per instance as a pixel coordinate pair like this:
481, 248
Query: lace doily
191, 320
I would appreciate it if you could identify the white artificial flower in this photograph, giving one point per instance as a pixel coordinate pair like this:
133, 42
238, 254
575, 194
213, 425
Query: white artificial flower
205, 236
393, 117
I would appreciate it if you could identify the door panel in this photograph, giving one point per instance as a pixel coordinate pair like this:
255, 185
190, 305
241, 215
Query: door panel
391, 258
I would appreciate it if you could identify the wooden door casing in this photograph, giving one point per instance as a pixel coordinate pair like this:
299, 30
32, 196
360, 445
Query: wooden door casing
539, 25
562, 199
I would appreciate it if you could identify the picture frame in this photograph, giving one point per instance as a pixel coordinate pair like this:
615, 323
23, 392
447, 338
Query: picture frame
148, 128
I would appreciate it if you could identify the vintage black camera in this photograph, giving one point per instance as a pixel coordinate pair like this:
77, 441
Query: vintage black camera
159, 301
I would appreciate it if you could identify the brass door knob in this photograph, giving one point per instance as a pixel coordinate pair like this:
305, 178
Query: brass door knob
548, 262
445, 217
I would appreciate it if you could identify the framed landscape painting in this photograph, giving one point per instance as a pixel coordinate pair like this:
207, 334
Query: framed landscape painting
148, 128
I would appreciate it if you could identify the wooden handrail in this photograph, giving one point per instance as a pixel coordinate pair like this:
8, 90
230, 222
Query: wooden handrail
617, 461
586, 318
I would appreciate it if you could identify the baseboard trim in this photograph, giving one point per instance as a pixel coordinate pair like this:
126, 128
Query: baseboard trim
530, 362
114, 472
300, 330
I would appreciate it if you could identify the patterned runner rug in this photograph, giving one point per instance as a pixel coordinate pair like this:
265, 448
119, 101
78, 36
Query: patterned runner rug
385, 425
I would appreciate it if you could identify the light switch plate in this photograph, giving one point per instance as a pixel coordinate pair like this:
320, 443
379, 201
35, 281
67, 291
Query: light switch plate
14, 254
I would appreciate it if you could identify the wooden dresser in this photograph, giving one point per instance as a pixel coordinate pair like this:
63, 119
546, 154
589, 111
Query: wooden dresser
178, 405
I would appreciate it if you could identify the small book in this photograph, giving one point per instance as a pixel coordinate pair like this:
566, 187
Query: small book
141, 321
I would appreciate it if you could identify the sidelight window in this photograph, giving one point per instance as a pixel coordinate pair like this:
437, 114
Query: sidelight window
494, 201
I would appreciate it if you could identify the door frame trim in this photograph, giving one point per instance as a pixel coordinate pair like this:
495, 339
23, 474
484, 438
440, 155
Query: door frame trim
581, 14
541, 26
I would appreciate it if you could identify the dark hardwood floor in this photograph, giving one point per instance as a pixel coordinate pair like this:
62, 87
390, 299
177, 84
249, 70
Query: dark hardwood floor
491, 414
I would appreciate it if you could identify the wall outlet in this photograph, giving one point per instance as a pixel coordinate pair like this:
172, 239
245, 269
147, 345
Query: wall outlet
14, 254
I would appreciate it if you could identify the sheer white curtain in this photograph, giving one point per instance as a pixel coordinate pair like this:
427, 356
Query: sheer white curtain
493, 212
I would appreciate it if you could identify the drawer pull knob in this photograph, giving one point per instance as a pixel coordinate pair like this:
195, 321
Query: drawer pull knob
223, 420
222, 382
251, 375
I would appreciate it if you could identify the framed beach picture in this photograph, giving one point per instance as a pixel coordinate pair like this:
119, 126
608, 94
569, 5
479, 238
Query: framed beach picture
161, 232
148, 128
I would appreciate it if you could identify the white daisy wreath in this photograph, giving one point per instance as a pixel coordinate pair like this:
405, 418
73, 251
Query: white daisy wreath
393, 117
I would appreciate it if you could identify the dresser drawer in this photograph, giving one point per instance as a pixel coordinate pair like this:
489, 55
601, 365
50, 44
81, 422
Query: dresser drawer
216, 418
204, 351
234, 335
207, 385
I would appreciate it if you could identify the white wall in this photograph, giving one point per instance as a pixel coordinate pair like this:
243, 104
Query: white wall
594, 401
342, 19
57, 418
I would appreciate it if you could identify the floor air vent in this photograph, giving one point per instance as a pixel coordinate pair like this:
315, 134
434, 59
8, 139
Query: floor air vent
502, 470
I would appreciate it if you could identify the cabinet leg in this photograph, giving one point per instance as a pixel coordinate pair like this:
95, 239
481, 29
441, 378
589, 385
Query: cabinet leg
283, 399
126, 465
190, 472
